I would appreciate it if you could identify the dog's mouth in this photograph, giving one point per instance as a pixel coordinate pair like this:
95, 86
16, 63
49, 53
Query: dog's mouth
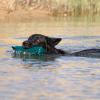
29, 44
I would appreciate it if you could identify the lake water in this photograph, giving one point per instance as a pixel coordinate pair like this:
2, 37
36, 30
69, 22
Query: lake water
57, 78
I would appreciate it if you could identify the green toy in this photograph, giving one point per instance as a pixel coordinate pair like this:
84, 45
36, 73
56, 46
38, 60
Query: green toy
35, 50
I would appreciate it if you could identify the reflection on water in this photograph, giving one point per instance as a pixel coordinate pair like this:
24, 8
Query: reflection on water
50, 78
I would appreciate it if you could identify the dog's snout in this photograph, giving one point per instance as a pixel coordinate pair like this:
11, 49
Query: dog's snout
27, 44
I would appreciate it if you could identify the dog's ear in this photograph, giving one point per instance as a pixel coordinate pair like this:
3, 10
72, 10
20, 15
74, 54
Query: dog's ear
53, 41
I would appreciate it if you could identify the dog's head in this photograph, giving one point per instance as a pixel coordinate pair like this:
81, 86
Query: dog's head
38, 39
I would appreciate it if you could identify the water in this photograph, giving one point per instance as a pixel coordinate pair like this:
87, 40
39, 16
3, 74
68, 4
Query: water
50, 78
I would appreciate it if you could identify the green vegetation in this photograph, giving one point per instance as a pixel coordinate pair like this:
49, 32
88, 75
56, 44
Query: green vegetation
55, 7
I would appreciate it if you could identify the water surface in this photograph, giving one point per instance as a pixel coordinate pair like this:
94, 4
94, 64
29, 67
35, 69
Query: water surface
56, 78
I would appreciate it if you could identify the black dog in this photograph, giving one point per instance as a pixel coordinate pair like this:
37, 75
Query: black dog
49, 44
46, 42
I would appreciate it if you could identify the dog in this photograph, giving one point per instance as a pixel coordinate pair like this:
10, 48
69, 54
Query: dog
46, 42
49, 43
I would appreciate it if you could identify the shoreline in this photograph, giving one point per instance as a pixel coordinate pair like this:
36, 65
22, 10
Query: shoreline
30, 15
24, 16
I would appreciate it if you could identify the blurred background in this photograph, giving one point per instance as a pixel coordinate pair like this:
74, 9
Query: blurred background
62, 8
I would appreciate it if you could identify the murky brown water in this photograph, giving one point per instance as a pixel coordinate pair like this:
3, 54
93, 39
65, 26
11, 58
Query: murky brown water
60, 78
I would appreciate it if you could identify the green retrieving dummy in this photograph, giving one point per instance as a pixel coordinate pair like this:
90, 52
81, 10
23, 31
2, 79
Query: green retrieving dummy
35, 50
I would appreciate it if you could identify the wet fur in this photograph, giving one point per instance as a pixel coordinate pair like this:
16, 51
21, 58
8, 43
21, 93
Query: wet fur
49, 44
